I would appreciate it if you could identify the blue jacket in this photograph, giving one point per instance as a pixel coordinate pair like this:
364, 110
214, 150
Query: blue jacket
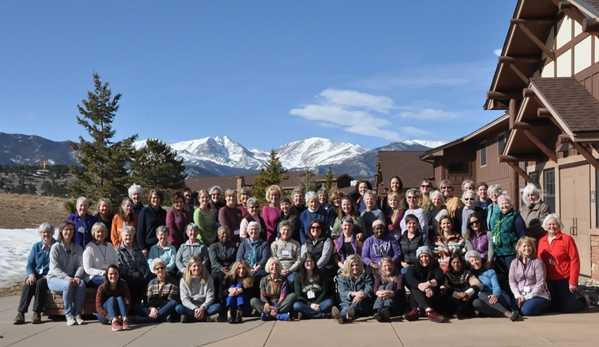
306, 217
262, 253
361, 284
149, 220
491, 284
83, 228
38, 262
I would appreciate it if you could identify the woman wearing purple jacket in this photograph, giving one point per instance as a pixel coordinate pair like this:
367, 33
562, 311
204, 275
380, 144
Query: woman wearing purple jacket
83, 222
379, 245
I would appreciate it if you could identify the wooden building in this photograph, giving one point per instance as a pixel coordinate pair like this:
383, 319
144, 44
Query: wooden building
405, 164
547, 79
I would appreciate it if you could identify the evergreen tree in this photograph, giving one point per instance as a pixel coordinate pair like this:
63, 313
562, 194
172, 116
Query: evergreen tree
272, 173
156, 166
308, 183
102, 173
328, 183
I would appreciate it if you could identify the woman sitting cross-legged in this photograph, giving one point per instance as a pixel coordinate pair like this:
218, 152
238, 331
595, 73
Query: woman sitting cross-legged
238, 289
113, 300
275, 300
389, 292
312, 290
425, 277
355, 289
162, 296
460, 286
197, 294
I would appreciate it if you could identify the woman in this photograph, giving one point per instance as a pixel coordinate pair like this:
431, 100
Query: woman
255, 251
409, 242
177, 220
395, 187
389, 292
205, 218
478, 239
452, 203
447, 243
436, 211
97, 256
132, 264
426, 186
468, 184
562, 262
238, 289
222, 256
483, 200
494, 192
83, 222
216, 199
66, 272
253, 215
197, 294
491, 300
276, 299
395, 215
164, 251
362, 187
104, 214
348, 208
230, 215
321, 247
162, 295
355, 288
425, 278
150, 218
460, 286
113, 300
413, 197
287, 250
370, 214
527, 280
38, 265
312, 291
460, 222
347, 244
287, 214
135, 193
506, 229
533, 211
271, 212
377, 246
312, 213
192, 248
124, 218
244, 194
335, 201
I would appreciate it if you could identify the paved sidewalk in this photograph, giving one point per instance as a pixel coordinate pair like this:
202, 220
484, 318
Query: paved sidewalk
550, 330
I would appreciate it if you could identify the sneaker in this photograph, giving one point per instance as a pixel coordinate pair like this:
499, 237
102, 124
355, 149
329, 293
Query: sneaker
264, 316
337, 315
185, 319
19, 319
515, 315
71, 320
385, 314
116, 326
214, 318
36, 318
126, 325
413, 315
299, 316
378, 316
283, 317
79, 320
350, 313
434, 316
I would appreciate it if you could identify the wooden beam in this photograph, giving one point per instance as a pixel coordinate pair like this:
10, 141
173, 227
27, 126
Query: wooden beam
528, 93
536, 41
519, 73
571, 11
529, 59
551, 154
507, 158
512, 112
590, 25
520, 157
493, 95
586, 154
536, 20
543, 113
521, 172
521, 125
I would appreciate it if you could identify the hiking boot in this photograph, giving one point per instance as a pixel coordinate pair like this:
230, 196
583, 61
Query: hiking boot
185, 319
413, 315
36, 318
434, 316
378, 316
337, 315
230, 318
19, 319
385, 314
515, 315
116, 326
350, 313
126, 325
238, 318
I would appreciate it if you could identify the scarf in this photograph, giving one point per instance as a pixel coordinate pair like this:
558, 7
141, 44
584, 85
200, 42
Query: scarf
253, 255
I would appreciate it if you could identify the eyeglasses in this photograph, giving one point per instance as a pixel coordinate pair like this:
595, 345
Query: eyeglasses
468, 199
159, 268
425, 186
445, 188
474, 222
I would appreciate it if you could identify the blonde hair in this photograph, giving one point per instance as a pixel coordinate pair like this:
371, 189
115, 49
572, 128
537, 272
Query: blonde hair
383, 276
187, 275
271, 190
347, 266
269, 264
531, 242
248, 279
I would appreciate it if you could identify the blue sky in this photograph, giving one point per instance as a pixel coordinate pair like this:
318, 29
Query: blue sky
263, 73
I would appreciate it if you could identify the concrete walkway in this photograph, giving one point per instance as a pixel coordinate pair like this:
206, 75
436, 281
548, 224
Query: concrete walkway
550, 330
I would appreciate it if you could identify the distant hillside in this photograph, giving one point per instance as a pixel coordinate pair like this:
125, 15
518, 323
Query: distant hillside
18, 149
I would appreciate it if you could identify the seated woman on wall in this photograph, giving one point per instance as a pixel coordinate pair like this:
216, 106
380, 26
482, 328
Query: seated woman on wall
253, 215
162, 296
533, 211
197, 294
104, 215
562, 262
124, 218
461, 286
113, 300
409, 243
255, 251
83, 222
389, 291
275, 300
347, 244
222, 255
321, 246
527, 280
164, 251
447, 243
192, 248
238, 289
492, 300
288, 251
97, 255
425, 278
355, 288
177, 220
348, 209
379, 245
312, 291
37, 268
132, 265
271, 212
66, 272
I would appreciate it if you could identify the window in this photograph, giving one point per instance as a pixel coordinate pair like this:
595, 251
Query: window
459, 169
483, 153
500, 143
549, 186
535, 176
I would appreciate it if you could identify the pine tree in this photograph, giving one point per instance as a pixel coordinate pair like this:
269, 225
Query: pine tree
272, 173
102, 173
308, 183
328, 183
156, 166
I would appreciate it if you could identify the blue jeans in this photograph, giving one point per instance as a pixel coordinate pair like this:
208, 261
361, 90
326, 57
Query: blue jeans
212, 309
163, 312
562, 300
290, 279
362, 309
95, 281
69, 294
532, 307
308, 312
115, 307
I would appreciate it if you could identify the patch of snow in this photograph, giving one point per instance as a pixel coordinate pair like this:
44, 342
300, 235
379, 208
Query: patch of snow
15, 246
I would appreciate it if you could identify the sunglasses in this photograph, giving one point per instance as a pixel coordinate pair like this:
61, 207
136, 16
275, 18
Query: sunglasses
313, 228
445, 187
425, 186
474, 222
159, 268
468, 199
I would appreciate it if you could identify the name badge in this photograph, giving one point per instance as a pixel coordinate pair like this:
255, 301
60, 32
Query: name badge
552, 262
81, 230
311, 294
125, 224
105, 266
285, 253
526, 289
236, 232
42, 270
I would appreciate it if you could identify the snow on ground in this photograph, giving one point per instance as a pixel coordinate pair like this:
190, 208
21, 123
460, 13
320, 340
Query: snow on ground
15, 246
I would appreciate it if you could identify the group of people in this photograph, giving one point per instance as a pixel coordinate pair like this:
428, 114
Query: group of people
314, 255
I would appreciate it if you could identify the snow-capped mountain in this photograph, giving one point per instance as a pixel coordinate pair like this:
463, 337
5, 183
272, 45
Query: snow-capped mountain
315, 151
425, 143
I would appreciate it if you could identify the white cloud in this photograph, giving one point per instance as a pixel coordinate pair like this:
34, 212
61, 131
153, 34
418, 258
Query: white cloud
497, 51
327, 125
428, 114
411, 132
353, 98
